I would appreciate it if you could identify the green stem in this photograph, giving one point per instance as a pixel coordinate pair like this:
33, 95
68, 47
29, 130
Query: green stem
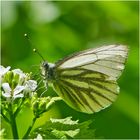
6, 119
19, 107
13, 123
30, 128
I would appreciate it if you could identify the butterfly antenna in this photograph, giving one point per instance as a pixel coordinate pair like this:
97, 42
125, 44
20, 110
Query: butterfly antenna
32, 46
36, 51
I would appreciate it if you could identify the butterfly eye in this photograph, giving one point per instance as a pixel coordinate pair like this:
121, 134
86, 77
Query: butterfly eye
45, 65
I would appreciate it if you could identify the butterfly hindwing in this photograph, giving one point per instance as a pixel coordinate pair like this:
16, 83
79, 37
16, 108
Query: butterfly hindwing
88, 91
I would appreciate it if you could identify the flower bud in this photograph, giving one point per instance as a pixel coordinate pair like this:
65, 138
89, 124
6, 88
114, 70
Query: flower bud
14, 84
10, 75
35, 105
16, 77
42, 105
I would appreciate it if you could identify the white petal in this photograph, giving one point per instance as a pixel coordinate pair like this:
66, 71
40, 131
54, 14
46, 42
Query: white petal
18, 89
31, 85
7, 95
3, 70
6, 87
18, 96
20, 72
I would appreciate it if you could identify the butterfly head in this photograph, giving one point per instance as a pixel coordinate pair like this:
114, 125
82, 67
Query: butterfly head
47, 70
44, 68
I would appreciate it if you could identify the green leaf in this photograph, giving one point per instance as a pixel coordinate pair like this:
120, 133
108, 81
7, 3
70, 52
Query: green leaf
64, 129
85, 131
66, 121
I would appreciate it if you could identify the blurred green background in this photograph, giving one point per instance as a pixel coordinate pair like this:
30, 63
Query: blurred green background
61, 28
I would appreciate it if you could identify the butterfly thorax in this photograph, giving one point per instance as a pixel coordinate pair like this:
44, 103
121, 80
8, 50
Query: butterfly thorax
47, 72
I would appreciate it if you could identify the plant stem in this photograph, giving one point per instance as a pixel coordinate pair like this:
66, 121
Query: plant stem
13, 123
6, 119
19, 107
30, 128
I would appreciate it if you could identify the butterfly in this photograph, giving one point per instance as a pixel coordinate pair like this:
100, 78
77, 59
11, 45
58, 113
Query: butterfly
87, 80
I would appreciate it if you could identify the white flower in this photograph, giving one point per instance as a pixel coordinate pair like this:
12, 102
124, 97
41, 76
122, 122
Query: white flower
20, 82
30, 85
17, 90
19, 72
16, 93
3, 70
7, 90
22, 76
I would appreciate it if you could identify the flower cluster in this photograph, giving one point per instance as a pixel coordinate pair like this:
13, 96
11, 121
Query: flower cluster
15, 83
18, 90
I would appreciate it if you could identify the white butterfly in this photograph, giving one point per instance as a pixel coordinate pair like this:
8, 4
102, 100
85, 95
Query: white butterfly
86, 80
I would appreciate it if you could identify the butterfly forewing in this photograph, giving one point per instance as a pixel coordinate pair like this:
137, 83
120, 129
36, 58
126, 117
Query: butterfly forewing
87, 80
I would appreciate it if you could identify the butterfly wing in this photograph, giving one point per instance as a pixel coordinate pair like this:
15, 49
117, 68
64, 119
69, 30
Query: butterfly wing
87, 80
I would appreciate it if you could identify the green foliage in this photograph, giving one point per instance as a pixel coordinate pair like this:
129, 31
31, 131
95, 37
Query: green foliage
85, 131
65, 129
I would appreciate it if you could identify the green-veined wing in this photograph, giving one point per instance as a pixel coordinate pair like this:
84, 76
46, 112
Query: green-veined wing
86, 81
